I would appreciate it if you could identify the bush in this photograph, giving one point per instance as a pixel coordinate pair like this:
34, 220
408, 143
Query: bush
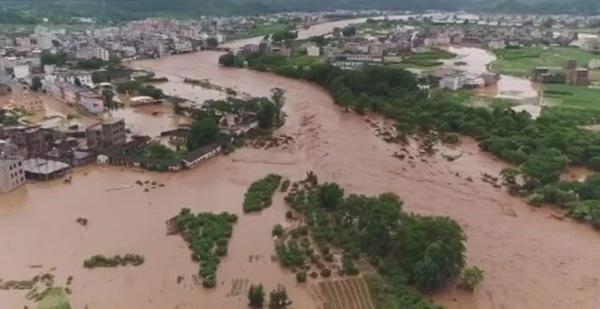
326, 273
471, 278
301, 277
256, 296
278, 230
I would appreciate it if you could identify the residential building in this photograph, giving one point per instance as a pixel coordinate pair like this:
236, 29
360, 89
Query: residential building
106, 134
355, 61
91, 52
12, 175
591, 45
578, 77
31, 139
313, 50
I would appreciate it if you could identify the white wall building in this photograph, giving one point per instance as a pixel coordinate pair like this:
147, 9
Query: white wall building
92, 52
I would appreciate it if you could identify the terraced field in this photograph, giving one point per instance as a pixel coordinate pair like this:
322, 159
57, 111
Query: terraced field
348, 293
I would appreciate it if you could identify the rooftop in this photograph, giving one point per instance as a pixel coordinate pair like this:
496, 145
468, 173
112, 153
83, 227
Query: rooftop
44, 167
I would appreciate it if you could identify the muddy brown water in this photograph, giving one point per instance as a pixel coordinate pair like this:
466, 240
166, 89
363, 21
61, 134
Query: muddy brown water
530, 259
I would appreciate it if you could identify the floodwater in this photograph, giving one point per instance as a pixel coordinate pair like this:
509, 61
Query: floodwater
508, 87
148, 120
530, 258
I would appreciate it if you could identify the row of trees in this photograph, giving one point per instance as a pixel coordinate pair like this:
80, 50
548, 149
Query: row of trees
278, 297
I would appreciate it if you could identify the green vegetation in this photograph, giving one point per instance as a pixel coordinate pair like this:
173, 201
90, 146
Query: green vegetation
386, 295
471, 278
260, 193
99, 260
409, 249
256, 296
263, 29
572, 96
278, 298
428, 59
158, 151
54, 298
138, 87
204, 131
520, 61
207, 235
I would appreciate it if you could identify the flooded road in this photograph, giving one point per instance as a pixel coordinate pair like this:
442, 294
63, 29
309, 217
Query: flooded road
530, 259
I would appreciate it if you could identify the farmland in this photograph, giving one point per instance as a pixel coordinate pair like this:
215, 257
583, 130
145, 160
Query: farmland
520, 61
342, 294
572, 96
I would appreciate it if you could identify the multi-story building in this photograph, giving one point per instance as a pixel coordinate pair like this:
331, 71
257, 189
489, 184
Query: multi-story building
106, 134
30, 138
12, 174
92, 52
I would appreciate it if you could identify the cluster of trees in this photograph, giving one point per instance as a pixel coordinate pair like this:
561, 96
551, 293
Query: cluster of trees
138, 87
418, 250
260, 193
284, 35
56, 58
99, 260
207, 235
204, 131
278, 297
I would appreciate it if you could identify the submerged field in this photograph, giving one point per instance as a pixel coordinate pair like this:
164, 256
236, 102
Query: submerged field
520, 61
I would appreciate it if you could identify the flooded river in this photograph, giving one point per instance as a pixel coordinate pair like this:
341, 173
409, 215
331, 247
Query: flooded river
530, 259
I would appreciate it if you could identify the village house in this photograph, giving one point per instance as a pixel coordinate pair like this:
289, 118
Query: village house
91, 52
106, 134
12, 175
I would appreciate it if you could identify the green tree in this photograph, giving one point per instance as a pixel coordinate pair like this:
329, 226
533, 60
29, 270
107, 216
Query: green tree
349, 31
256, 296
278, 298
36, 83
431, 249
471, 278
203, 132
266, 114
227, 60
212, 42
330, 195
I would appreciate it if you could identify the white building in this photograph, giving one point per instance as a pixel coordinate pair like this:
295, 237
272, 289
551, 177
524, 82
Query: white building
451, 82
591, 45
314, 51
92, 52
21, 71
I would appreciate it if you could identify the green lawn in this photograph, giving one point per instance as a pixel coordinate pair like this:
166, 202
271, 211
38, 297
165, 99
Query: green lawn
423, 61
572, 96
54, 298
520, 62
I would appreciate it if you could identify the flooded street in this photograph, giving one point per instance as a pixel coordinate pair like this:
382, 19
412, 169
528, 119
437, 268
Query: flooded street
530, 259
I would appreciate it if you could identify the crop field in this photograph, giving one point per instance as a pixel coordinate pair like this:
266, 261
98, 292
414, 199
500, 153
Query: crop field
520, 61
348, 293
587, 98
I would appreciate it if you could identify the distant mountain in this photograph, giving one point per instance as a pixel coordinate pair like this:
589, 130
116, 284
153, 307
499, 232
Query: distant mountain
31, 10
